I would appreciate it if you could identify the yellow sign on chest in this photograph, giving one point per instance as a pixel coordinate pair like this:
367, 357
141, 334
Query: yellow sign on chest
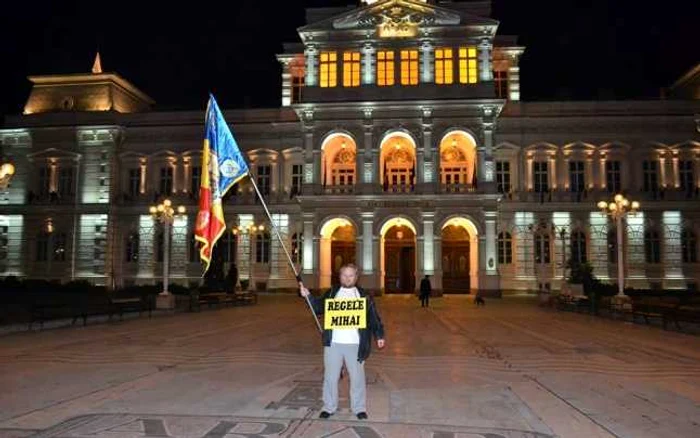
345, 313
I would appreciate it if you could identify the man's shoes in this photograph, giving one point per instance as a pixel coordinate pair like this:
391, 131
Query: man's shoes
324, 415
362, 415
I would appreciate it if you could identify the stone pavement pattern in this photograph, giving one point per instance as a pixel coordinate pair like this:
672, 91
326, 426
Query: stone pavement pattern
509, 369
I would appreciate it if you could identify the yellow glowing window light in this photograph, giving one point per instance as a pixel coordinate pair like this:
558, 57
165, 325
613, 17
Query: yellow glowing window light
329, 69
351, 69
385, 67
409, 67
467, 65
444, 73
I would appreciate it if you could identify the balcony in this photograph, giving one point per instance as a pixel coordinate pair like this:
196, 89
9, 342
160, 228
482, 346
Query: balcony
339, 190
52, 198
422, 91
398, 188
458, 188
595, 195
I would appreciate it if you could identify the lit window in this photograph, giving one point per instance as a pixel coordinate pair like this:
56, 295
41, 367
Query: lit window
444, 73
329, 69
409, 67
385, 68
351, 69
467, 65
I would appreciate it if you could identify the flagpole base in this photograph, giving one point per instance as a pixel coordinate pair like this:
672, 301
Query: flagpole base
165, 301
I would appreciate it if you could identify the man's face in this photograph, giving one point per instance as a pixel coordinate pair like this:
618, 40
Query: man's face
348, 277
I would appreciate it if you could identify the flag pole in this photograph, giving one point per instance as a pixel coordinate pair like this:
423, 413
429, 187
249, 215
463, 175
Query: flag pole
289, 258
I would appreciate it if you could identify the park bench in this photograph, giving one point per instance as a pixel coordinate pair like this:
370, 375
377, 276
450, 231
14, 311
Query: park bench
664, 308
245, 297
82, 307
210, 299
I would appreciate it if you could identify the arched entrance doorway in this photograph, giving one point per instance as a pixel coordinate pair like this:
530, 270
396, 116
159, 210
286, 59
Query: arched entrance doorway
398, 256
459, 255
337, 248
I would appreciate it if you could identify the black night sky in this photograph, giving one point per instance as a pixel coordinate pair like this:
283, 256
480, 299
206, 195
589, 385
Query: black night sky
576, 49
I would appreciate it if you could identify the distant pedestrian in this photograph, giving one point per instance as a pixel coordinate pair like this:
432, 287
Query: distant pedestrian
479, 299
425, 290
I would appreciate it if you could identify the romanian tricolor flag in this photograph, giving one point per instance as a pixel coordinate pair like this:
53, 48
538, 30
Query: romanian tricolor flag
222, 166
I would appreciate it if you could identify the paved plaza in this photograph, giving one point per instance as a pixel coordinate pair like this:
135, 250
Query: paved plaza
509, 369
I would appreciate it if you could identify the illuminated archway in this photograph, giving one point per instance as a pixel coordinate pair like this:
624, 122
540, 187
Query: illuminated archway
459, 255
397, 256
338, 162
458, 162
397, 162
337, 247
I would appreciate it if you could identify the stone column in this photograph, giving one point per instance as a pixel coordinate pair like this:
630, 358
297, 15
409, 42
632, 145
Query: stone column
428, 238
309, 251
286, 81
427, 56
311, 54
368, 64
514, 78
485, 68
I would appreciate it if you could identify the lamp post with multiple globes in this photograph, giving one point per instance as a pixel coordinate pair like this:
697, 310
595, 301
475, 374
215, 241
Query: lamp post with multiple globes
251, 229
166, 213
618, 210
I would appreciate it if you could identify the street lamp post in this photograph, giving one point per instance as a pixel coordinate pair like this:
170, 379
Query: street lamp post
251, 229
618, 210
165, 213
562, 237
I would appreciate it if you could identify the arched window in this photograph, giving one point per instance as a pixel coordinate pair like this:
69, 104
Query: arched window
652, 246
131, 248
612, 246
542, 250
578, 247
505, 248
297, 247
262, 248
689, 246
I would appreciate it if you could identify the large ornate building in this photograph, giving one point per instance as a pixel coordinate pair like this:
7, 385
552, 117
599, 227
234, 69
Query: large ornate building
401, 144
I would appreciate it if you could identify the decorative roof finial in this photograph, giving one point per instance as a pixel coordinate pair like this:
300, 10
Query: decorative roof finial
97, 65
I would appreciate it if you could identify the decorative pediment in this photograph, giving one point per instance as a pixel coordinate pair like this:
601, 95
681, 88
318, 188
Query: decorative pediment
53, 154
396, 18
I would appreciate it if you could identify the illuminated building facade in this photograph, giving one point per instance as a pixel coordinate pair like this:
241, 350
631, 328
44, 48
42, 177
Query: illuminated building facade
401, 144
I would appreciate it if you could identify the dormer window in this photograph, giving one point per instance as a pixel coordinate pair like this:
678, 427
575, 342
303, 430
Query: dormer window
351, 69
409, 67
329, 69
444, 69
467, 65
385, 67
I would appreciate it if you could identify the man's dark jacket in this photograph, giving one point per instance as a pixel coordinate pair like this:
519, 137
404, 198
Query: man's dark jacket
374, 322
